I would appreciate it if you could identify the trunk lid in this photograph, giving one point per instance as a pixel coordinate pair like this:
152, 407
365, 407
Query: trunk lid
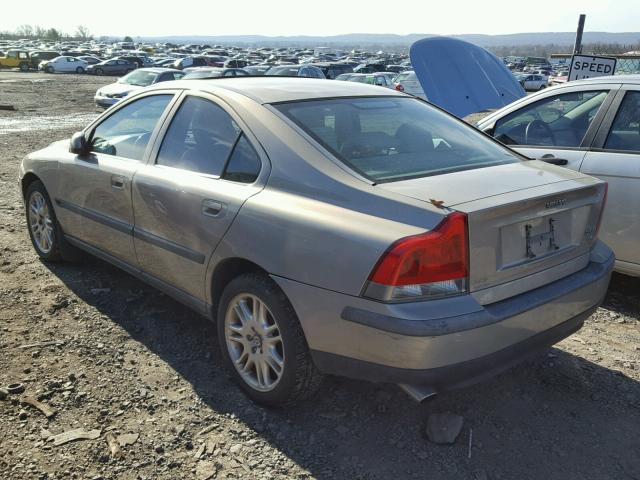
530, 223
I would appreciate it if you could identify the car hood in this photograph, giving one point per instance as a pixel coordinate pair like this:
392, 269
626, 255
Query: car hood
461, 187
461, 77
114, 88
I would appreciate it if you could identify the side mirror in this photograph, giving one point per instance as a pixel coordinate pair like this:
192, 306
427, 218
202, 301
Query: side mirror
79, 144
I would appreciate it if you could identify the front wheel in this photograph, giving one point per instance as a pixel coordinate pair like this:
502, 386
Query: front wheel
262, 342
99, 71
79, 70
24, 67
49, 70
45, 232
129, 70
542, 87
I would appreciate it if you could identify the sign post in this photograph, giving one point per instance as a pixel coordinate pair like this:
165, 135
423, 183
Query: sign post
587, 66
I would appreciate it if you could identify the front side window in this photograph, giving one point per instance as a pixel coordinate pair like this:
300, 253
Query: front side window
388, 139
625, 131
558, 121
126, 133
200, 138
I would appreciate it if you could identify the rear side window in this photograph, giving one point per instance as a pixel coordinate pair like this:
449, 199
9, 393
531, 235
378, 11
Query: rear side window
244, 163
387, 139
625, 131
200, 138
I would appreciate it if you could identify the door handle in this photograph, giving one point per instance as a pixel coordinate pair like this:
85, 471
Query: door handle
117, 182
549, 158
212, 208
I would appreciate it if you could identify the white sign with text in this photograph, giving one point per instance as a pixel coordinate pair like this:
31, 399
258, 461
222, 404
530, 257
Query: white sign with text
587, 66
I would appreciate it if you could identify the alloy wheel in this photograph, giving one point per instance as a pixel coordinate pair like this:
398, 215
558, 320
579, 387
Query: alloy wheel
254, 343
40, 222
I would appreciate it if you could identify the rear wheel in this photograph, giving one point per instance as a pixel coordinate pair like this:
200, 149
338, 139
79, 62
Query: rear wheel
79, 70
45, 232
262, 342
99, 71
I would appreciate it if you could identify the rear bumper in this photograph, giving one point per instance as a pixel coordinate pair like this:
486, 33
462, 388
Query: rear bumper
444, 343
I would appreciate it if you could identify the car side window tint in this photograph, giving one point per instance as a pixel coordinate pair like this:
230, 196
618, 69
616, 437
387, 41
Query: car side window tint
558, 121
200, 138
244, 163
126, 133
625, 131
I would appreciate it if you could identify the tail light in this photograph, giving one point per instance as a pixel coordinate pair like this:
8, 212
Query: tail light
430, 265
399, 87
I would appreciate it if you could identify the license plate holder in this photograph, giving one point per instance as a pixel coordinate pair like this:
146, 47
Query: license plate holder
539, 244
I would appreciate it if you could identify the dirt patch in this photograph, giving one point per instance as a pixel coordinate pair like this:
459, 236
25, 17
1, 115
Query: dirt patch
139, 375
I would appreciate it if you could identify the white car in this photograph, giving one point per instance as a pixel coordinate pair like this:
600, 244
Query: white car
533, 82
134, 81
408, 82
592, 126
64, 64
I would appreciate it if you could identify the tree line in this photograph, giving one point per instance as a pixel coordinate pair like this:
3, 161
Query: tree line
36, 32
547, 49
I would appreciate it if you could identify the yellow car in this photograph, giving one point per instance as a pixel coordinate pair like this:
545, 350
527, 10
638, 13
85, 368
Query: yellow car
15, 59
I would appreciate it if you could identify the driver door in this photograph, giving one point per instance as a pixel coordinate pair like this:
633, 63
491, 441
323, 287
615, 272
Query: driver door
94, 193
559, 127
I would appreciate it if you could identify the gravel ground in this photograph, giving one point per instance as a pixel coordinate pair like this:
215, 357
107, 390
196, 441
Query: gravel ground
141, 372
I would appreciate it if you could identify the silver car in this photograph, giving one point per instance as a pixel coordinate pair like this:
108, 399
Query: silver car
592, 126
328, 227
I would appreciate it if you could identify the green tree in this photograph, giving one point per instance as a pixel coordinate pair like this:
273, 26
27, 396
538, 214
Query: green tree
53, 34
127, 39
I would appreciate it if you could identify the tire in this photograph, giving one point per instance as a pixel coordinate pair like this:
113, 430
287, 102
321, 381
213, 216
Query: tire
52, 247
24, 67
99, 71
298, 378
128, 70
50, 69
542, 87
79, 70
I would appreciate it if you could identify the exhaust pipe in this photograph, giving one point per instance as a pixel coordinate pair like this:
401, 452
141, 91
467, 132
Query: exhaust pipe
418, 392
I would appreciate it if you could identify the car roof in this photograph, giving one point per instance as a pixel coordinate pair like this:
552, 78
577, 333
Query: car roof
265, 89
608, 79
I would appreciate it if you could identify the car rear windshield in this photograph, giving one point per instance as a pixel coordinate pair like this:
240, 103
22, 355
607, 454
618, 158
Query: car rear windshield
284, 71
203, 74
389, 139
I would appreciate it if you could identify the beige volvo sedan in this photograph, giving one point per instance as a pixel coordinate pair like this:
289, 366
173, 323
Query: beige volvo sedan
328, 227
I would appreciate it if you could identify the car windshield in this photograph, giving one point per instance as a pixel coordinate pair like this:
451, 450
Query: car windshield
389, 139
203, 74
139, 78
284, 71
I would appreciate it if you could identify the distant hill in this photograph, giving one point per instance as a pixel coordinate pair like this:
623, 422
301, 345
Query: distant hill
364, 39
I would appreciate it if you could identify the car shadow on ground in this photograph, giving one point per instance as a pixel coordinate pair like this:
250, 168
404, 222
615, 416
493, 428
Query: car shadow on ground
556, 416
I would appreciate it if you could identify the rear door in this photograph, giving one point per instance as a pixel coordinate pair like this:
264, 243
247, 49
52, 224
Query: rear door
204, 166
557, 127
615, 158
94, 194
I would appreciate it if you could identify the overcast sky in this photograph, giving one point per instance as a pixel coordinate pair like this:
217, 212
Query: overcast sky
321, 17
